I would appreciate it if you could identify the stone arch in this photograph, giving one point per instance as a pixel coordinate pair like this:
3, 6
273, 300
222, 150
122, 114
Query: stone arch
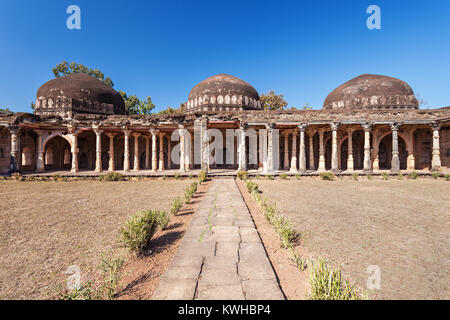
56, 149
385, 152
53, 135
27, 156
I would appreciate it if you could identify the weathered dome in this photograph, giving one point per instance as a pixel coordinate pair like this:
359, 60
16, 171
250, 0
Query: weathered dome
371, 91
223, 92
78, 93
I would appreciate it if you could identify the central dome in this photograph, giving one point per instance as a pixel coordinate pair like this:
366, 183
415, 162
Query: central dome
371, 91
223, 92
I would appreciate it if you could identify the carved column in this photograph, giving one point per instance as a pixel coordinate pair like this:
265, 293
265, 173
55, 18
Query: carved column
40, 165
98, 150
169, 152
286, 151
111, 165
376, 160
204, 145
311, 150
14, 149
260, 150
294, 151
302, 163
147, 152
242, 158
126, 161
270, 167
350, 166
191, 152
263, 135
395, 163
182, 133
154, 153
367, 162
73, 135
334, 152
321, 151
161, 152
436, 159
136, 152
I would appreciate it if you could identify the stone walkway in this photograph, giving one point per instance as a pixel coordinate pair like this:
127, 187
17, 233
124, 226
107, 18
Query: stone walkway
221, 255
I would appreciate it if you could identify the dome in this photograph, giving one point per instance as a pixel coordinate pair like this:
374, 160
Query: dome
223, 92
370, 91
78, 93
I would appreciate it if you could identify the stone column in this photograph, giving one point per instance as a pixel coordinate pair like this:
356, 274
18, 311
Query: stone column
98, 150
270, 167
350, 165
169, 152
376, 162
302, 163
311, 150
204, 145
154, 153
367, 162
111, 165
147, 152
182, 133
161, 152
126, 161
334, 147
286, 151
321, 151
294, 151
14, 166
242, 158
263, 133
40, 165
395, 163
136, 152
74, 150
436, 159
191, 152
260, 151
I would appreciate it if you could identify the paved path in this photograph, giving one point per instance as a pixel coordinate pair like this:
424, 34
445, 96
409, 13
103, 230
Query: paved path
221, 255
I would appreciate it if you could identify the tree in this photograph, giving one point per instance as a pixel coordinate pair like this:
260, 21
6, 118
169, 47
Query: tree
132, 103
272, 101
64, 69
135, 106
5, 110
172, 111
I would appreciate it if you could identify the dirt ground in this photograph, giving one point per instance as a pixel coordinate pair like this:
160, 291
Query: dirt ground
45, 227
402, 226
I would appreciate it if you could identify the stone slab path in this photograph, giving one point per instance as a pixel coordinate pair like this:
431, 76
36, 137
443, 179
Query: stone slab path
221, 256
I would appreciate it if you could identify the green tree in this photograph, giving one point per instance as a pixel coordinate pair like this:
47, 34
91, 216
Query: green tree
272, 101
132, 103
5, 110
172, 111
64, 69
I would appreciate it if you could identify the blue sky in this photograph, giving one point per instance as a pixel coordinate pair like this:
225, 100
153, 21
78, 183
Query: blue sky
162, 48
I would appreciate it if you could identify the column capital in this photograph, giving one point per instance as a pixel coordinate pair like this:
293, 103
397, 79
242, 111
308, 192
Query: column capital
302, 127
136, 134
270, 126
154, 131
111, 134
243, 125
335, 126
435, 126
13, 128
72, 129
366, 126
394, 126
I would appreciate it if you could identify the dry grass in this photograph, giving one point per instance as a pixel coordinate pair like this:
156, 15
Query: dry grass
400, 225
48, 226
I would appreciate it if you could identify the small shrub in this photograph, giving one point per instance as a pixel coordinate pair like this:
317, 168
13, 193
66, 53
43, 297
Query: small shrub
435, 175
252, 187
270, 177
329, 176
413, 175
369, 177
189, 192
447, 177
110, 267
56, 177
111, 176
17, 176
164, 177
355, 176
191, 176
243, 175
385, 176
297, 176
177, 203
201, 176
85, 292
328, 284
163, 219
177, 176
400, 176
284, 176
138, 230
297, 259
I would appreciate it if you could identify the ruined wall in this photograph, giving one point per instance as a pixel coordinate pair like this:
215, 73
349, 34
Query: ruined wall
5, 150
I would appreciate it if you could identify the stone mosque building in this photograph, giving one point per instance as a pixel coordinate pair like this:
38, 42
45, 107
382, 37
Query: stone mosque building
370, 123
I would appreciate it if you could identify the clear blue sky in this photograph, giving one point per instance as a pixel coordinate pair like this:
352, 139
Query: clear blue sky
162, 48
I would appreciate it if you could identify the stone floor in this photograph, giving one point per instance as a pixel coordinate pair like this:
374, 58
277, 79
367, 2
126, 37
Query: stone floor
221, 255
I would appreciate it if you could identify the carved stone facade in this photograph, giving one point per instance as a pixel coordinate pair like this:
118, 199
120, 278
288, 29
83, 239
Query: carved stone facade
244, 137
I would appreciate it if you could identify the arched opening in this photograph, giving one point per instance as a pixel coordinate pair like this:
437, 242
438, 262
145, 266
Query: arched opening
27, 150
344, 154
27, 157
87, 150
57, 155
316, 148
328, 153
423, 148
385, 153
358, 149
4, 150
105, 160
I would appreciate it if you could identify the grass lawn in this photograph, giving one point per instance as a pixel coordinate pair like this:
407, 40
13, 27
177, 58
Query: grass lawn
402, 226
45, 227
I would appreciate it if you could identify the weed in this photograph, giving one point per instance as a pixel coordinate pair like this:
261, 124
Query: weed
284, 176
270, 177
110, 267
355, 176
400, 176
139, 229
177, 203
447, 177
243, 175
413, 175
435, 175
201, 176
385, 176
329, 176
